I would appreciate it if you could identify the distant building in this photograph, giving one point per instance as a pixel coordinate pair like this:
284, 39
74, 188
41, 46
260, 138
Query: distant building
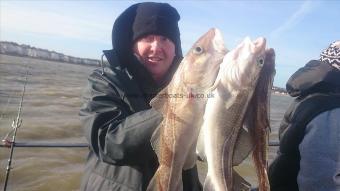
12, 48
278, 90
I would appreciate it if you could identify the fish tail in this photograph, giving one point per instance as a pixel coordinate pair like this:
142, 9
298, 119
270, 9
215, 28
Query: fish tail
160, 180
155, 183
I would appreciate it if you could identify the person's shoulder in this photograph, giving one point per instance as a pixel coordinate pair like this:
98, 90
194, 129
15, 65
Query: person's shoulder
324, 124
103, 78
107, 74
328, 117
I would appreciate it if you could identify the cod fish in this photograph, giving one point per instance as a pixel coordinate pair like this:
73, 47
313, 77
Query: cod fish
238, 103
182, 104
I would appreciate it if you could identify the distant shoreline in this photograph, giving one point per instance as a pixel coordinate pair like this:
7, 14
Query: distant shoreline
278, 90
46, 60
22, 50
280, 93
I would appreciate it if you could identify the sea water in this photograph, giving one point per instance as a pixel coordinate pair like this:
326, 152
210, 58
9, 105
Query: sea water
50, 113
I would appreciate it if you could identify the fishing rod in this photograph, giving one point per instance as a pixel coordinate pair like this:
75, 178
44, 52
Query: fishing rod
15, 125
75, 145
48, 144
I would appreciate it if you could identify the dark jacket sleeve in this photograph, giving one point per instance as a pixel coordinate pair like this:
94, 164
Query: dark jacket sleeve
115, 133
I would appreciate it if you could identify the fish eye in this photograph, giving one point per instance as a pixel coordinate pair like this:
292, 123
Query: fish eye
260, 62
198, 50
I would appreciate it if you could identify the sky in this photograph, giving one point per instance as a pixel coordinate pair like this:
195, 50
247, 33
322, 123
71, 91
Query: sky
297, 30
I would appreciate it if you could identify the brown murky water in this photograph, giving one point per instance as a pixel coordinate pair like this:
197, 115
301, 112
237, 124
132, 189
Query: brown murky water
50, 113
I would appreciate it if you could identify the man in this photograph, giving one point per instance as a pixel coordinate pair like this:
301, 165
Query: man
309, 152
116, 115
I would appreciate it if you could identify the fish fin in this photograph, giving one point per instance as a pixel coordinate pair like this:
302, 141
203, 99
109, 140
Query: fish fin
159, 102
155, 183
239, 183
243, 146
216, 83
208, 185
155, 139
244, 143
152, 186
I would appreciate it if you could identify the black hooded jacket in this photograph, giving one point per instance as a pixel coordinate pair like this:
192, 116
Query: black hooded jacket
316, 87
118, 120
